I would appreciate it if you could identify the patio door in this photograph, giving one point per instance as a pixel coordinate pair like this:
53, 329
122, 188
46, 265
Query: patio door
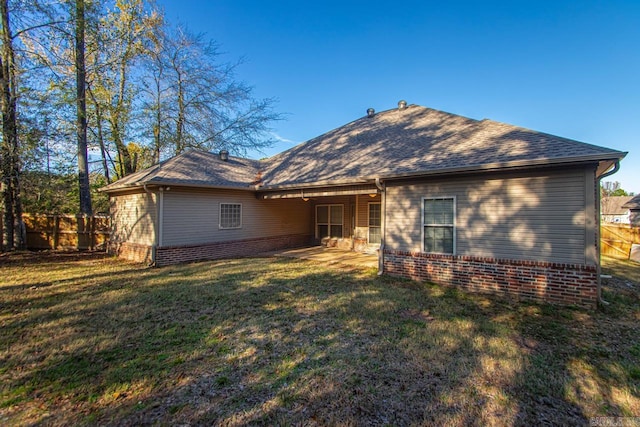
329, 221
375, 221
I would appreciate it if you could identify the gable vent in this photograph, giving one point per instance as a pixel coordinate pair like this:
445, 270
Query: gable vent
370, 112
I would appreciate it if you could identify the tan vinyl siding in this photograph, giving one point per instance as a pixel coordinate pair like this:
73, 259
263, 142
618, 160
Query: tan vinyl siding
193, 217
524, 216
133, 218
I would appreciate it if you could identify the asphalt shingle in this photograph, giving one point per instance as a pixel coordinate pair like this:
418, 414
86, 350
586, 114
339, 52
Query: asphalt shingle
195, 168
394, 143
419, 140
633, 203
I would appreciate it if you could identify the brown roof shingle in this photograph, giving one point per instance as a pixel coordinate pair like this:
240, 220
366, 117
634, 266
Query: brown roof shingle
614, 205
634, 203
195, 169
391, 144
419, 140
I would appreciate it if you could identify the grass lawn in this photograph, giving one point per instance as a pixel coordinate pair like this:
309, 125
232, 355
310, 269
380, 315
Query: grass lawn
88, 339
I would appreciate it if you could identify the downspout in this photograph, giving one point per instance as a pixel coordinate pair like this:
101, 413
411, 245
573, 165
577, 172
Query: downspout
616, 168
156, 236
383, 212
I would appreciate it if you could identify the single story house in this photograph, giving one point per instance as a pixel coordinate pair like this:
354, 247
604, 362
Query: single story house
479, 204
613, 209
634, 210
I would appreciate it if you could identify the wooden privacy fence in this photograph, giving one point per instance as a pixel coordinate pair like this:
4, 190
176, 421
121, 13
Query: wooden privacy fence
66, 231
616, 239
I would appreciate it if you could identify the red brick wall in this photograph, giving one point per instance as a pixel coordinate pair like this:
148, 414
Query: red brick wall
236, 248
564, 284
131, 251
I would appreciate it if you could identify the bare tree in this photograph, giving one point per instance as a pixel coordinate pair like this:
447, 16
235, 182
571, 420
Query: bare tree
206, 106
156, 93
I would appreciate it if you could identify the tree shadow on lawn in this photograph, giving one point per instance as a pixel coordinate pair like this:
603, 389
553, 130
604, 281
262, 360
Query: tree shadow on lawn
265, 341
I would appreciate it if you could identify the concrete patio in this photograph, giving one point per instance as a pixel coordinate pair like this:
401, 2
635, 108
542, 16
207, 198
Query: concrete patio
330, 256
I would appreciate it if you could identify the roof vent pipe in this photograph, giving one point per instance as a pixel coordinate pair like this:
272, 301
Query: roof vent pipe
224, 155
370, 112
402, 104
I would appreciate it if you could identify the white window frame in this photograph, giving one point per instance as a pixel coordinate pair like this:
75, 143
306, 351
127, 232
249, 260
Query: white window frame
220, 225
455, 204
329, 224
369, 222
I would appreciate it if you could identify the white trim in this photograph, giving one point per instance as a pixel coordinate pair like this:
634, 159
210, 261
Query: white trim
356, 226
423, 225
329, 218
160, 217
220, 227
369, 222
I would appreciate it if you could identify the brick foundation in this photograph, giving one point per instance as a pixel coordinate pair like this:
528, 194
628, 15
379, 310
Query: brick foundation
564, 284
236, 248
131, 251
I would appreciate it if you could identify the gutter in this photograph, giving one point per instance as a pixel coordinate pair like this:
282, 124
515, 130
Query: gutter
157, 235
505, 166
383, 211
144, 185
616, 168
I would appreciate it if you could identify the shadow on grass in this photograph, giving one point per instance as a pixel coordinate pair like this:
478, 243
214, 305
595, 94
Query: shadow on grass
263, 341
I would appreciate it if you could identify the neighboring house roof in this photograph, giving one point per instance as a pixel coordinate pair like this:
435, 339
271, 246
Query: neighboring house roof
633, 204
195, 169
614, 205
392, 144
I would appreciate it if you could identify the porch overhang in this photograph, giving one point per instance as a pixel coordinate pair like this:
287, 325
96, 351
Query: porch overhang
306, 193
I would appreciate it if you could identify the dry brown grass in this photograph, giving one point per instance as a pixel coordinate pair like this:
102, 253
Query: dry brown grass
87, 339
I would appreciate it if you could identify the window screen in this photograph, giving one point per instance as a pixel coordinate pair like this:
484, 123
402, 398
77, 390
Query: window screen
230, 215
439, 225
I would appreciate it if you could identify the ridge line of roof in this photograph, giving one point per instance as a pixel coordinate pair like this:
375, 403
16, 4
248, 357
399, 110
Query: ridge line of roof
423, 138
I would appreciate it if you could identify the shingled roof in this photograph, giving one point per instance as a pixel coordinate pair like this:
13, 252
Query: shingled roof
195, 168
397, 143
420, 141
633, 204
614, 205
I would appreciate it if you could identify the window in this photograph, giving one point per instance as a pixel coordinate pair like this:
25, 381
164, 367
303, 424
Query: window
230, 215
438, 224
329, 220
375, 219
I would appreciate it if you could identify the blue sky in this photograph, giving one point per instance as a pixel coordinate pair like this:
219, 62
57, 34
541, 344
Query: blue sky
569, 68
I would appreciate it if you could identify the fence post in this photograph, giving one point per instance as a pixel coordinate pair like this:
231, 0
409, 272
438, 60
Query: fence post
56, 232
80, 230
92, 235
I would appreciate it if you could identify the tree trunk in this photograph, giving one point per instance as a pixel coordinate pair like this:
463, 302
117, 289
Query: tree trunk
126, 164
103, 151
157, 126
124, 157
81, 103
8, 134
10, 161
180, 121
